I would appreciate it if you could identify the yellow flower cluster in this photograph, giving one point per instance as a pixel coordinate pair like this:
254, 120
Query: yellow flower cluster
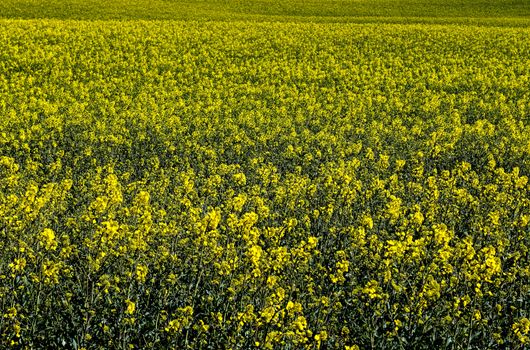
211, 185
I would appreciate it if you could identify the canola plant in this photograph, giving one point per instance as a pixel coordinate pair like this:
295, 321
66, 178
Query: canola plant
235, 185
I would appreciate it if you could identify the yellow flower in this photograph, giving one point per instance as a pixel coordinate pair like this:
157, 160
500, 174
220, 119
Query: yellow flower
18, 264
141, 273
368, 221
418, 218
321, 336
312, 242
183, 320
240, 179
353, 347
372, 289
47, 239
394, 207
300, 323
521, 329
477, 315
131, 307
11, 313
50, 270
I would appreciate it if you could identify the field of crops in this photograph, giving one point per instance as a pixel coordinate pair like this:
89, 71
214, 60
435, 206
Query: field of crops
288, 182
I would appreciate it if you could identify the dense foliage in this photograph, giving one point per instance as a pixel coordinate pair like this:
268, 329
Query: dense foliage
485, 12
280, 186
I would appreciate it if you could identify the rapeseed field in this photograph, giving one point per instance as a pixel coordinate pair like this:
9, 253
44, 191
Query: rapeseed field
264, 175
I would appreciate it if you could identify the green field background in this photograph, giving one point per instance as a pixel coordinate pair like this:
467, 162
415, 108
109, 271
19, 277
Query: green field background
292, 10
